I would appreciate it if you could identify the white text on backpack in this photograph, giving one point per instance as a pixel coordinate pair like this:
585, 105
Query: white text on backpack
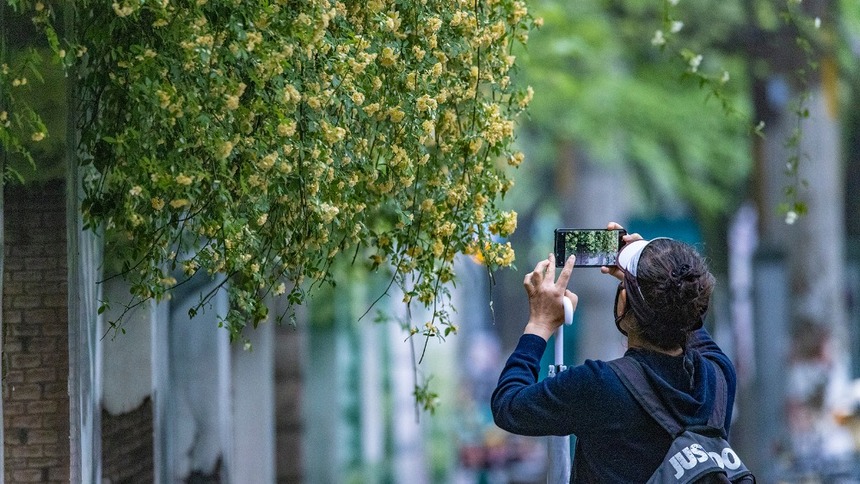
691, 456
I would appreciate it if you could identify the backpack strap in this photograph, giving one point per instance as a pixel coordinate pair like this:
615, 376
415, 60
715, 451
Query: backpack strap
717, 419
632, 375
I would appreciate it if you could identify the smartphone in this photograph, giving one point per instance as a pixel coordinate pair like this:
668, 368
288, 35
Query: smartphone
592, 247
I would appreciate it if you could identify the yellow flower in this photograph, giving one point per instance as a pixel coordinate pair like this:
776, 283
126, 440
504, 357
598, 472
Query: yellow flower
516, 159
163, 98
157, 203
225, 150
328, 212
333, 134
179, 202
520, 11
254, 38
436, 71
425, 103
268, 161
392, 21
434, 24
189, 267
505, 255
396, 114
184, 179
287, 129
438, 248
475, 145
371, 109
357, 98
458, 18
527, 98
418, 52
445, 230
232, 102
135, 190
506, 225
389, 57
122, 11
38, 136
291, 94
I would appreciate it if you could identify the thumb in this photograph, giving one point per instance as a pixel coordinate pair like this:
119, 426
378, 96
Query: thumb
574, 299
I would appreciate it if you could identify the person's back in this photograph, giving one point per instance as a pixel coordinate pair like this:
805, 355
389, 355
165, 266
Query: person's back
661, 301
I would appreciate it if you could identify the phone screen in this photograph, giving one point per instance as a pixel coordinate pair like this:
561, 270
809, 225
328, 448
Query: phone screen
592, 247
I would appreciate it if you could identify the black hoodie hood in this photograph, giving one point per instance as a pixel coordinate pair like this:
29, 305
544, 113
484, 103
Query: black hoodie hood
685, 384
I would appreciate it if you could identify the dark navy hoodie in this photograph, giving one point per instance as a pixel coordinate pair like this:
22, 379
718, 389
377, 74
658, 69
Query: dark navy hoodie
617, 441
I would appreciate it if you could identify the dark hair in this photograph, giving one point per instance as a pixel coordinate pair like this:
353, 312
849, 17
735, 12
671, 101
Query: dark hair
670, 293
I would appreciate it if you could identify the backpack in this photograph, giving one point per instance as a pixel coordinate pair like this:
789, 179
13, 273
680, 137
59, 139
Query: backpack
698, 454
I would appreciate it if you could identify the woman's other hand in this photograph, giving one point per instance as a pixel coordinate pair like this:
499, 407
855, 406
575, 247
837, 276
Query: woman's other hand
546, 311
616, 271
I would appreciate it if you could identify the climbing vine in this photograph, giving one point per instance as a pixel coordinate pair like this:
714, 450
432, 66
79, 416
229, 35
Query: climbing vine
261, 140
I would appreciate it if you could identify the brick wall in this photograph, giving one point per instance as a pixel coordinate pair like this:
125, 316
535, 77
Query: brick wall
35, 335
127, 445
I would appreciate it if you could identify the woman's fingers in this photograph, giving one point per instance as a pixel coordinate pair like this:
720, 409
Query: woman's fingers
566, 271
628, 237
535, 277
631, 238
549, 270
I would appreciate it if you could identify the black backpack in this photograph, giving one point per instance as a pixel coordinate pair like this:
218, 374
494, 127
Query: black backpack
698, 454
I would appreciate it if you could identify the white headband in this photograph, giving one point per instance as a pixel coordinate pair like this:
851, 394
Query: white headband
628, 258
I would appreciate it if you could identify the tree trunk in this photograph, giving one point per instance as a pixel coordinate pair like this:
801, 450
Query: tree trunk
812, 366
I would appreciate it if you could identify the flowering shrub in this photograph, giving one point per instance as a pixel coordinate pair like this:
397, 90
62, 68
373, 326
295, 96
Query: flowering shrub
260, 140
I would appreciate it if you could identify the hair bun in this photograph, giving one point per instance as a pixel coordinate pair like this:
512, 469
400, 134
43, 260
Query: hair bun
674, 288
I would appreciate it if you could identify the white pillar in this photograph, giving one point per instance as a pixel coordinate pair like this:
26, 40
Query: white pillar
192, 387
84, 271
253, 394
409, 461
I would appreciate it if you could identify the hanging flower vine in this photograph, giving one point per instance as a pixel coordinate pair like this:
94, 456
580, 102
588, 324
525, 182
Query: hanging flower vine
261, 140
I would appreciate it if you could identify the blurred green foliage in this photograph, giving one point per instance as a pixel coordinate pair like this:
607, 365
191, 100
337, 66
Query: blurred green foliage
676, 107
603, 85
46, 94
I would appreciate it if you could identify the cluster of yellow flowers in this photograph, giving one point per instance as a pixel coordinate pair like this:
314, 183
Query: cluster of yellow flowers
260, 139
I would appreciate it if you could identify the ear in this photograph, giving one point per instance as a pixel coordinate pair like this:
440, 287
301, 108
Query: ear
628, 323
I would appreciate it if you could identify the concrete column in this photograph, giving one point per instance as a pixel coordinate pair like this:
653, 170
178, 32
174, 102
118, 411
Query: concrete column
772, 349
193, 398
253, 413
